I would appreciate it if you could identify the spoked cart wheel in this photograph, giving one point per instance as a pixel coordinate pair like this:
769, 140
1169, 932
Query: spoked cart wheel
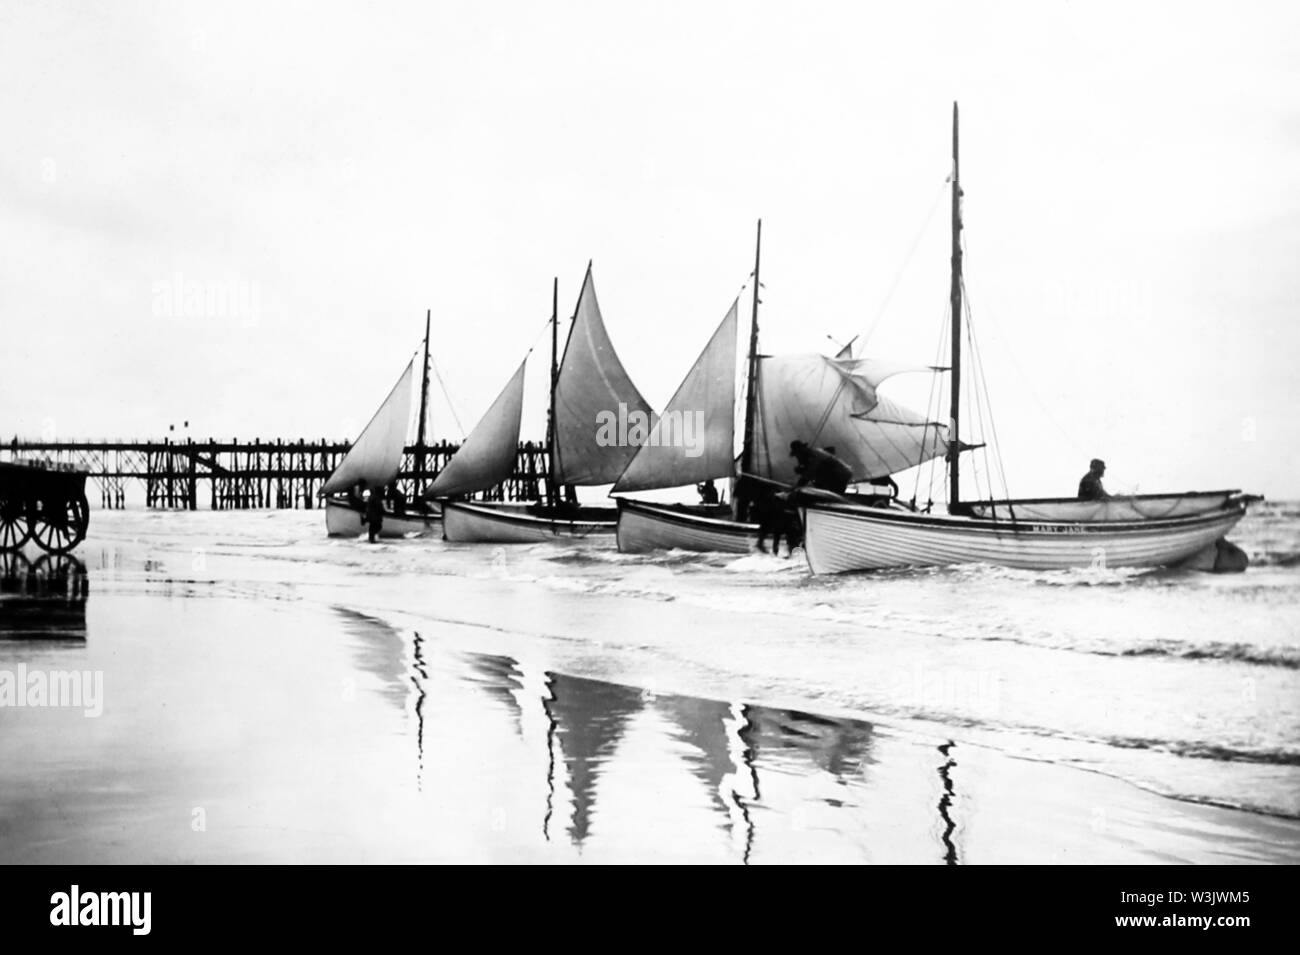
14, 528
58, 525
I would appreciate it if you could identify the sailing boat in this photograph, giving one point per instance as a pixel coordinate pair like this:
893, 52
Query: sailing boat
376, 457
810, 397
588, 385
1035, 534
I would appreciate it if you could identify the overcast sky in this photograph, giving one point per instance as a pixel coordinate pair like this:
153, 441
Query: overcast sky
1132, 178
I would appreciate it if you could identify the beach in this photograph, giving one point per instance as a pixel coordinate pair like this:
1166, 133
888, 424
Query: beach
271, 695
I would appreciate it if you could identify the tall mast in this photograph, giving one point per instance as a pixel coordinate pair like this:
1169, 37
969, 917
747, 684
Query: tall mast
420, 441
751, 375
555, 376
954, 442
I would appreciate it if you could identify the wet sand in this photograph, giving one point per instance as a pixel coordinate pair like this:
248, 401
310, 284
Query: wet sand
324, 715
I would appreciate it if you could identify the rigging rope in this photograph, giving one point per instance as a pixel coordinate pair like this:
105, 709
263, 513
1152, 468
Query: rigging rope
1033, 394
993, 427
934, 402
450, 407
972, 402
898, 276
437, 373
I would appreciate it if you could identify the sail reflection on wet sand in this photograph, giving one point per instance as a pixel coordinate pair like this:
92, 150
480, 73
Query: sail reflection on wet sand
272, 730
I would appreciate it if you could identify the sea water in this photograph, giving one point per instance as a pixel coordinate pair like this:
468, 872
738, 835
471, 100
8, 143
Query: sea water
270, 693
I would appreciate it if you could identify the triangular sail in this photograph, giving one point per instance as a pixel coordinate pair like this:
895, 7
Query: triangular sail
488, 455
694, 438
592, 388
830, 402
377, 454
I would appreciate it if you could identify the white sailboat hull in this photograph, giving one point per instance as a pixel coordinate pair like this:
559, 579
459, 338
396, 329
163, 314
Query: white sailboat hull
843, 538
644, 527
345, 520
465, 523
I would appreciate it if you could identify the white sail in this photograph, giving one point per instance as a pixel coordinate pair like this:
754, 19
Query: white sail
488, 455
694, 438
591, 388
377, 454
832, 402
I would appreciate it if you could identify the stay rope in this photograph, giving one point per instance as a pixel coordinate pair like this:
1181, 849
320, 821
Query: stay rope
907, 261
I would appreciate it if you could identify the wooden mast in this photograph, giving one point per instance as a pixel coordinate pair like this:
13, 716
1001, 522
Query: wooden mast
420, 441
552, 497
751, 380
954, 441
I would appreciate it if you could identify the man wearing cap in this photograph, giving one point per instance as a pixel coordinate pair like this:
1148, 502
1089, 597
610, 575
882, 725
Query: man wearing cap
1090, 487
820, 468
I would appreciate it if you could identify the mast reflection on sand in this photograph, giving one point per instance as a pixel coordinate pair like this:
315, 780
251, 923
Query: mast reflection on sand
755, 762
380, 649
776, 784
502, 680
588, 718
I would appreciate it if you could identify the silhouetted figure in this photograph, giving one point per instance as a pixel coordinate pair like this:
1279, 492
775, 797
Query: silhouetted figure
396, 498
708, 493
375, 512
777, 519
820, 468
355, 498
772, 512
1090, 486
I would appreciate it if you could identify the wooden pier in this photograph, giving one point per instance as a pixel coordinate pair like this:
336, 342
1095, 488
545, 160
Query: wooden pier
224, 475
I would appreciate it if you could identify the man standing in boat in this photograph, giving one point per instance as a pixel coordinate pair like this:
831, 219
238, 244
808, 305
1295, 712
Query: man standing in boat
1090, 486
708, 492
820, 468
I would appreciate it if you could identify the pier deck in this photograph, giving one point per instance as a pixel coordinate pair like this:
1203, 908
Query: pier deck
223, 475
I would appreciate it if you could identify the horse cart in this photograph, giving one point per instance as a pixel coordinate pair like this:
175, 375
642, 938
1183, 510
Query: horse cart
42, 502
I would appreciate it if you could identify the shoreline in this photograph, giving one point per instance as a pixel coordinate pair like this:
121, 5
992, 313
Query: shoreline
1004, 809
350, 705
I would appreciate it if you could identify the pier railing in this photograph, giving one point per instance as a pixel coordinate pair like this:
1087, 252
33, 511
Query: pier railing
221, 475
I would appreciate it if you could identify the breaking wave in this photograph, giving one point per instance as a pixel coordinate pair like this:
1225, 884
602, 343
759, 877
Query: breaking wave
1286, 657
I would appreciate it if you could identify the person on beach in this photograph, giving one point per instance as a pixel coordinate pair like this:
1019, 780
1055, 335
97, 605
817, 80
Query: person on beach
375, 512
708, 492
1090, 486
820, 468
356, 495
396, 498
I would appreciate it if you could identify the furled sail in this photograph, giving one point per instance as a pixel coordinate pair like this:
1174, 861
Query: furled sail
593, 389
832, 402
693, 439
377, 454
488, 455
